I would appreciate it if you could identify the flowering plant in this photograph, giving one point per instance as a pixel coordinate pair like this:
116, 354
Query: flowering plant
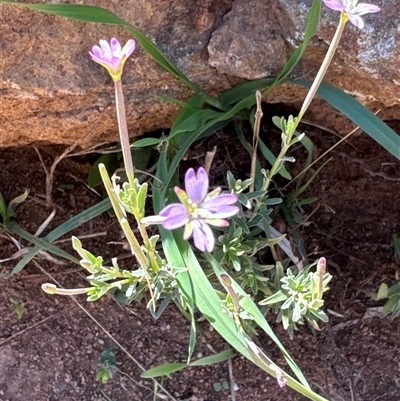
197, 282
112, 56
352, 10
198, 210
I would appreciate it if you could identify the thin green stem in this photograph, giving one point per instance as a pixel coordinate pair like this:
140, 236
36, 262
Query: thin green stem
118, 284
256, 135
147, 243
307, 101
111, 272
123, 132
133, 242
126, 153
268, 179
119, 211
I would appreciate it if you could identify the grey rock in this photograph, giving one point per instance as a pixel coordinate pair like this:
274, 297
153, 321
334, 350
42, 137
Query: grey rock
51, 90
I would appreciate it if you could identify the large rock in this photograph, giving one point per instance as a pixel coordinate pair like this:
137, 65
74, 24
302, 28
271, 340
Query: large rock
52, 91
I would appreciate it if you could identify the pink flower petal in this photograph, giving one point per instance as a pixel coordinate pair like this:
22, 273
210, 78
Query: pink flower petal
111, 56
116, 50
105, 49
203, 236
217, 222
196, 185
220, 200
356, 20
348, 4
365, 8
129, 47
224, 212
334, 5
176, 215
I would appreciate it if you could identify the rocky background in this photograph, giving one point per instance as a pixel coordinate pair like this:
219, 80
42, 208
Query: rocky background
51, 90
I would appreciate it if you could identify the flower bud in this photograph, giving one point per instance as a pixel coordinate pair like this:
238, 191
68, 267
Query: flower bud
321, 266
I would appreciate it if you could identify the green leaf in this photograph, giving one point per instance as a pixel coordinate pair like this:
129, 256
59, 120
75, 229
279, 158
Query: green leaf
163, 370
270, 157
110, 161
295, 194
196, 102
383, 291
235, 94
197, 119
359, 114
391, 305
168, 368
394, 290
216, 358
19, 199
308, 144
142, 143
3, 209
18, 306
304, 202
273, 299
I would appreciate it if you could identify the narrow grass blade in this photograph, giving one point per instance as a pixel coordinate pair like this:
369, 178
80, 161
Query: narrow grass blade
43, 244
168, 368
295, 194
359, 114
63, 229
198, 118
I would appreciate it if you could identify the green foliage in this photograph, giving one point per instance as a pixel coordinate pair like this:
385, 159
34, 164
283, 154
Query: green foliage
7, 211
18, 307
55, 234
392, 294
396, 245
111, 161
108, 366
360, 115
222, 385
168, 368
299, 298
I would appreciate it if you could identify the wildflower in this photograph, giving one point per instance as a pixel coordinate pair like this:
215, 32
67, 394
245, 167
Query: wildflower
197, 210
352, 10
111, 56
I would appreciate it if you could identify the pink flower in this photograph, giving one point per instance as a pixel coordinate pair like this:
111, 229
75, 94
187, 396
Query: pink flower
352, 10
197, 211
111, 56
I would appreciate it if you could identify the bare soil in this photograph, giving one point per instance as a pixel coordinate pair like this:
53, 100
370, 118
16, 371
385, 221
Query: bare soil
52, 352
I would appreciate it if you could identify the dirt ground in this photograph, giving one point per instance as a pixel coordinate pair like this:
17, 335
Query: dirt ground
52, 352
